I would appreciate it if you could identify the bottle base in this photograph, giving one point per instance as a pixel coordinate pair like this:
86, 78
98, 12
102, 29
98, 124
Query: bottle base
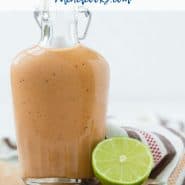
59, 181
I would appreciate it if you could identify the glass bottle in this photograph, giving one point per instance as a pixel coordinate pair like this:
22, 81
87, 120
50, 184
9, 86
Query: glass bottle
60, 90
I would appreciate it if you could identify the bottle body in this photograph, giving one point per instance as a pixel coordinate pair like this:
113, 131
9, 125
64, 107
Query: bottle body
60, 100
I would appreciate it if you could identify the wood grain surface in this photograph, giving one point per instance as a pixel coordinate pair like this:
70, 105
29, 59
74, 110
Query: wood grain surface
9, 174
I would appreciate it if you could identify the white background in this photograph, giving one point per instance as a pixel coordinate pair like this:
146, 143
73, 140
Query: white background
145, 50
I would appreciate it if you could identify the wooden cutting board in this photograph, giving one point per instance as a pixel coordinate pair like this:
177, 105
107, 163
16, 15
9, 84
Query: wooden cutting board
9, 174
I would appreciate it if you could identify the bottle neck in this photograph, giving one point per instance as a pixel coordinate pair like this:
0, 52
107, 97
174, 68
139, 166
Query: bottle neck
58, 29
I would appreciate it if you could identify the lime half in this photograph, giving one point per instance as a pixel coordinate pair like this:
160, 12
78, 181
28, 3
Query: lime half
122, 161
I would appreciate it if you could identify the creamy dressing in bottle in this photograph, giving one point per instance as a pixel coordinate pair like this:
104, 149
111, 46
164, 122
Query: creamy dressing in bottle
60, 90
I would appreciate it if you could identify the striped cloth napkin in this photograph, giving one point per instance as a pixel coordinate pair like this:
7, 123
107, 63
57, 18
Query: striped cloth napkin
166, 142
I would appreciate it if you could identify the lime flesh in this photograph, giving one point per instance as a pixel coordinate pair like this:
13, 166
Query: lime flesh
122, 161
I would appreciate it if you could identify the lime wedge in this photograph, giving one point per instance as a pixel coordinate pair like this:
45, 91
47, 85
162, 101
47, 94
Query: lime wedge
122, 161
